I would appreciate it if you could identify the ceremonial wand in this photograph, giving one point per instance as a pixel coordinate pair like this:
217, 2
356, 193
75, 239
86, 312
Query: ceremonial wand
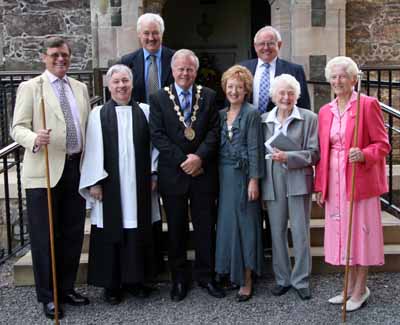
50, 210
353, 178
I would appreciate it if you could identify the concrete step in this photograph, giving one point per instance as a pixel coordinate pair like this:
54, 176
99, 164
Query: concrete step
23, 272
23, 275
23, 268
391, 230
392, 261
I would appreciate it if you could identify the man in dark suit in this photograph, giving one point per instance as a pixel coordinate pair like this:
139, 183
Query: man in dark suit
67, 109
151, 70
150, 29
267, 43
184, 125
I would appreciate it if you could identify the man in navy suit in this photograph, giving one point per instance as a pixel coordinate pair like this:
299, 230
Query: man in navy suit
267, 43
150, 29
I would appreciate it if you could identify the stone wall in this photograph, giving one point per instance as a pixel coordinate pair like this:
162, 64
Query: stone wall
373, 31
26, 23
373, 38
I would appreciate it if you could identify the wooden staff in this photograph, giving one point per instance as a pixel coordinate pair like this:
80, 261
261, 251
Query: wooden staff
50, 209
353, 178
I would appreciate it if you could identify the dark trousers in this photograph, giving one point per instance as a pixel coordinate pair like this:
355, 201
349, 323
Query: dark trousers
266, 238
158, 247
202, 210
112, 265
69, 220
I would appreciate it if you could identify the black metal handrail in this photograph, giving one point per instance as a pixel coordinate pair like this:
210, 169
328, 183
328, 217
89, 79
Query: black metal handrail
391, 200
11, 157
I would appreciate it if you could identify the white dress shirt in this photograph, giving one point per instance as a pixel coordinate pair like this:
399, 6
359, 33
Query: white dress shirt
257, 78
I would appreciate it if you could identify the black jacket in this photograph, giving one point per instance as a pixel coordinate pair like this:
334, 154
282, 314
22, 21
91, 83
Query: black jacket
293, 69
135, 61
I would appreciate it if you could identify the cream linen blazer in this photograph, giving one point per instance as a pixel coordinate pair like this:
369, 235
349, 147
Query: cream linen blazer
28, 119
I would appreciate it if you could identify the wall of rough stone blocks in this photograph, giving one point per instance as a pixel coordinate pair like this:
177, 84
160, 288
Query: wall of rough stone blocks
373, 31
373, 38
24, 24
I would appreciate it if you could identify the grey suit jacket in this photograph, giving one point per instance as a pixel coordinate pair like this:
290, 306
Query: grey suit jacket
300, 172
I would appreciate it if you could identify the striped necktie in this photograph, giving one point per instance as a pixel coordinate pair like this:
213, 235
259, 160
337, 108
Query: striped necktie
263, 97
71, 137
186, 109
152, 78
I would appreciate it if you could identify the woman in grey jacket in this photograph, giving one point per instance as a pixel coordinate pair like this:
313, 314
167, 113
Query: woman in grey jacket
291, 139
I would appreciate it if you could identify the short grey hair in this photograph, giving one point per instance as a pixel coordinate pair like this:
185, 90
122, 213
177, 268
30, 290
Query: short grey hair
185, 52
347, 63
271, 29
285, 79
147, 18
116, 68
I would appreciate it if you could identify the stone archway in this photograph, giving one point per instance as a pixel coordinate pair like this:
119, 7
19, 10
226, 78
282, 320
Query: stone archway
155, 6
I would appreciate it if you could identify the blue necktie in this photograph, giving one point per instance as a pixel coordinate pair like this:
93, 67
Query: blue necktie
263, 95
186, 106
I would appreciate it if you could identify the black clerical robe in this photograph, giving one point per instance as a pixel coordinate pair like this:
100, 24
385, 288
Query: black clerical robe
120, 256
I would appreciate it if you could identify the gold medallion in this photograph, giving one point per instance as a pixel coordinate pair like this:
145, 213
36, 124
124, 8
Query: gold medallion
189, 133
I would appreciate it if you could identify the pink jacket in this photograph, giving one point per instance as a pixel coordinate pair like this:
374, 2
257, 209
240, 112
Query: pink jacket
371, 179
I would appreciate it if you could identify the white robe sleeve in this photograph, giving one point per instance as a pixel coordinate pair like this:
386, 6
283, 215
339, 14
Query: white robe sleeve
93, 166
155, 202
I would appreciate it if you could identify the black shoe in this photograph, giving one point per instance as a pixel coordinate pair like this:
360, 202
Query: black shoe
50, 310
229, 286
212, 289
280, 290
75, 299
304, 293
178, 291
225, 283
242, 297
139, 290
112, 296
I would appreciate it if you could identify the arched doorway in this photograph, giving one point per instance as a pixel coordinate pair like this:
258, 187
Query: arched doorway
220, 32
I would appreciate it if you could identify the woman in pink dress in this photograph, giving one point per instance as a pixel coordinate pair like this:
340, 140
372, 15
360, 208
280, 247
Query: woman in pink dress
336, 123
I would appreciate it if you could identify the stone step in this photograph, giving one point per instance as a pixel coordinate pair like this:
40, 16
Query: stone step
23, 272
23, 275
391, 230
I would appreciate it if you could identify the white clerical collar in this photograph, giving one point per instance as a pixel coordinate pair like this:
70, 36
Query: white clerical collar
123, 106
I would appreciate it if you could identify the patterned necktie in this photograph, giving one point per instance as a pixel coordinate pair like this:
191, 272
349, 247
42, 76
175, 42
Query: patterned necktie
186, 106
152, 78
72, 138
263, 95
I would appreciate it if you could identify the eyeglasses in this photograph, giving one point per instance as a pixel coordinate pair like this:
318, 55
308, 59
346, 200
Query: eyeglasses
57, 55
265, 44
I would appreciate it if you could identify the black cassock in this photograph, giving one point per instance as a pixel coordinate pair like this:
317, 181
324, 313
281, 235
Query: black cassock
120, 256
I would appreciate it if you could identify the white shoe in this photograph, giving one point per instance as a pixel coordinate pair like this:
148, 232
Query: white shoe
336, 300
352, 305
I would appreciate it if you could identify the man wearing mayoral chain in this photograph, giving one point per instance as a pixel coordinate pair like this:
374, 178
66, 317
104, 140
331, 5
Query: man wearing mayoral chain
184, 125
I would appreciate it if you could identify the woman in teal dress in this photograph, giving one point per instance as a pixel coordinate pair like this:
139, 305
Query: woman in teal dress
239, 246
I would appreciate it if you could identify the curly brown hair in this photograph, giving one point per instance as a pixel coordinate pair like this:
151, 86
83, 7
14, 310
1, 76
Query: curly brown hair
240, 73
